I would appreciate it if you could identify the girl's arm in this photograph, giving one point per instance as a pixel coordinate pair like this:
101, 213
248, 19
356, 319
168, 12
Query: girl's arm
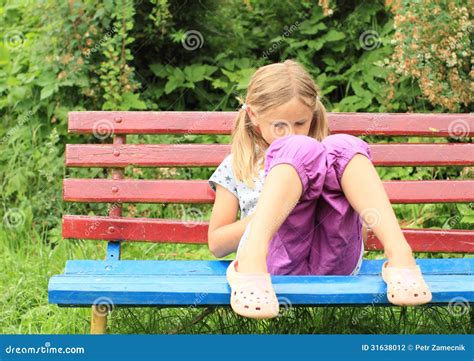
224, 231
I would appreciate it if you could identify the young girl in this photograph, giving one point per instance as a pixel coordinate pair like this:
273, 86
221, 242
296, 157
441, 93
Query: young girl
302, 194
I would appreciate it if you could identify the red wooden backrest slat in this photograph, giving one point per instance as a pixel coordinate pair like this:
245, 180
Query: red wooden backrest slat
148, 122
198, 191
195, 231
197, 155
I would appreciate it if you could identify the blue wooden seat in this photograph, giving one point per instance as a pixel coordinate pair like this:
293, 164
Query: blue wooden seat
115, 282
203, 283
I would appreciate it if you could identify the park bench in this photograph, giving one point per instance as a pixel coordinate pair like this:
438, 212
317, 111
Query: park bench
114, 282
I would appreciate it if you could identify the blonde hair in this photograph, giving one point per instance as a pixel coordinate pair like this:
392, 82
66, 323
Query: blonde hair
271, 86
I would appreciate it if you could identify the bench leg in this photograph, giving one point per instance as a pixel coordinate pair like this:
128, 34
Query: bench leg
98, 320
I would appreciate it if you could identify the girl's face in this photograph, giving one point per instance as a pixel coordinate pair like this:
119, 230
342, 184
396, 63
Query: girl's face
292, 117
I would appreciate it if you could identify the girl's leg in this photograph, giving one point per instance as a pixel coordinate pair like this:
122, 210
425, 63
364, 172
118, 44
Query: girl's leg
295, 169
280, 194
365, 192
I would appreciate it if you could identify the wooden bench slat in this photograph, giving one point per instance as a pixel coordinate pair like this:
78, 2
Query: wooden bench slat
439, 266
431, 240
195, 232
198, 191
201, 290
209, 155
190, 122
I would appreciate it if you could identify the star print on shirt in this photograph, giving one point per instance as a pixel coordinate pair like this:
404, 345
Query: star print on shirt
228, 179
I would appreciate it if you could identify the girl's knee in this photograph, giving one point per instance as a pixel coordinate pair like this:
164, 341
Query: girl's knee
306, 155
296, 144
340, 139
346, 145
341, 149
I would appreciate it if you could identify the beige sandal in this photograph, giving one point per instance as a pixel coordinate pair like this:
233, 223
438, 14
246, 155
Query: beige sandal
252, 294
405, 285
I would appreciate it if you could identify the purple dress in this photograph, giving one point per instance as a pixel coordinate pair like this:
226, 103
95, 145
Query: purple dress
323, 233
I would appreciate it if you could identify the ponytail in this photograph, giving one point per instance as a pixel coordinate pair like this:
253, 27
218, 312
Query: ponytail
320, 124
248, 148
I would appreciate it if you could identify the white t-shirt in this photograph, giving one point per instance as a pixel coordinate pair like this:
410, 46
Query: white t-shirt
248, 197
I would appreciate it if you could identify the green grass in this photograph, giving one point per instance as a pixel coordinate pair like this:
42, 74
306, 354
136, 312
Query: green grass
29, 260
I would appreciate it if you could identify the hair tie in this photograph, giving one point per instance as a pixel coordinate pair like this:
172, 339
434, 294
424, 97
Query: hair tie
244, 106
